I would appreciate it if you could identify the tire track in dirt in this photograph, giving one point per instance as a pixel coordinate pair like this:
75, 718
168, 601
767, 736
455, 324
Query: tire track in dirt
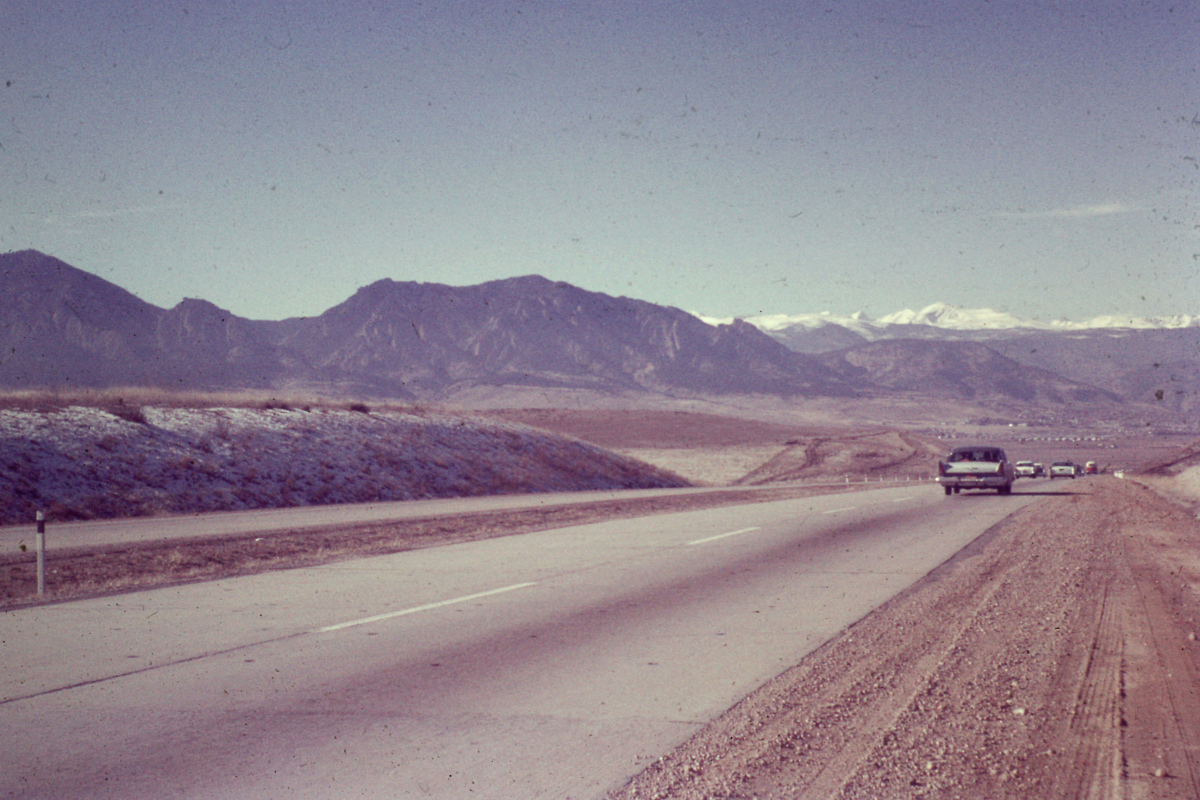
1163, 690
1097, 763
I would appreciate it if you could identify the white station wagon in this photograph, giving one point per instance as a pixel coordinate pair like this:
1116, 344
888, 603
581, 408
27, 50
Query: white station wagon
1062, 469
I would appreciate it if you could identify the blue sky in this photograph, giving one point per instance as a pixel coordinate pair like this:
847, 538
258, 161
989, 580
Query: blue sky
731, 158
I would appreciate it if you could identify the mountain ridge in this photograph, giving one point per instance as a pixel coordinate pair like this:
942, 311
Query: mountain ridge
63, 327
396, 339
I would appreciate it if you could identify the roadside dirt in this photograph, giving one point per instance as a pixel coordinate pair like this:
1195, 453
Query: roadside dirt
1055, 657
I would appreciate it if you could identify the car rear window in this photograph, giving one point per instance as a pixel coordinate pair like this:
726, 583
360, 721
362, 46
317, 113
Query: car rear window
976, 454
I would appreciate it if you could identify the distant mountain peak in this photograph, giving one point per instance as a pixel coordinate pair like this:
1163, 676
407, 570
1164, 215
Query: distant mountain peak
944, 315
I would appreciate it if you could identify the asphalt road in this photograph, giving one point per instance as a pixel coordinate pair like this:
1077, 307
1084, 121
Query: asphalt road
552, 664
101, 533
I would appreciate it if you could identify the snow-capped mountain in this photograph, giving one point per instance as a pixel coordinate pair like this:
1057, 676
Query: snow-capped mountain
1133, 357
941, 315
773, 323
1131, 323
953, 318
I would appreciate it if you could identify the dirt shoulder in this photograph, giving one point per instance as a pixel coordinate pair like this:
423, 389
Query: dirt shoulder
1055, 657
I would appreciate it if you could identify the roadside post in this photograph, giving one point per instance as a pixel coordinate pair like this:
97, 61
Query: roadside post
41, 552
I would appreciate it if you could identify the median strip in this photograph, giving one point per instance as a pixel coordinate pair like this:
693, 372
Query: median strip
722, 536
426, 607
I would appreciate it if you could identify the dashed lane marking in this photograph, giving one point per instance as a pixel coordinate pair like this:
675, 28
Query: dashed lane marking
722, 536
426, 607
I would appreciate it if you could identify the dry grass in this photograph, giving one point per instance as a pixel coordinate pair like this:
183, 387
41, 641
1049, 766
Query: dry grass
129, 397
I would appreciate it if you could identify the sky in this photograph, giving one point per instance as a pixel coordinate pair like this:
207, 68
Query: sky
727, 158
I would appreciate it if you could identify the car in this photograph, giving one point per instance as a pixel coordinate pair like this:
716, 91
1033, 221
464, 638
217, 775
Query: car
976, 467
1039, 469
1062, 469
1026, 469
1090, 468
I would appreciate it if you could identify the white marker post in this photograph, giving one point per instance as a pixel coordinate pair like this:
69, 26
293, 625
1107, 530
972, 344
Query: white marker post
41, 553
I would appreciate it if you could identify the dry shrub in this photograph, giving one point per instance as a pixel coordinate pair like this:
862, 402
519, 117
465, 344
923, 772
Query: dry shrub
129, 413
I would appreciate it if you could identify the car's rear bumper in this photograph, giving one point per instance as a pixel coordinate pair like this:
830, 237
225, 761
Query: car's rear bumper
973, 481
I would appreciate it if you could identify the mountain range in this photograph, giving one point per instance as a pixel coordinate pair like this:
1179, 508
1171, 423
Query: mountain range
945, 317
61, 327
1155, 360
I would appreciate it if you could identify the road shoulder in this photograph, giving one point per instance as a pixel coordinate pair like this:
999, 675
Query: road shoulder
1056, 656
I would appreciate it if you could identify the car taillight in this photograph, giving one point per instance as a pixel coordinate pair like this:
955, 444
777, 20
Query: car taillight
942, 467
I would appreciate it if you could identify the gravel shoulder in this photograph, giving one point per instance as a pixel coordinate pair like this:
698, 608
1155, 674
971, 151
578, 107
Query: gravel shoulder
1055, 657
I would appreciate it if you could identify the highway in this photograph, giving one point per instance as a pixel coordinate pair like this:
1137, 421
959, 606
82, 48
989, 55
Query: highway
79, 535
552, 664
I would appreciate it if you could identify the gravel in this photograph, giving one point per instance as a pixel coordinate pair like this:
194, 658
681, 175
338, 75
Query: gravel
1055, 657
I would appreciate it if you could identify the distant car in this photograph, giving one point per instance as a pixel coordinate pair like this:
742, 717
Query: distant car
1039, 469
1026, 469
1062, 469
1090, 468
976, 467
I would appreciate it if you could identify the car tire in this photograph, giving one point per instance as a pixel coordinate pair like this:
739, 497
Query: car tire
949, 491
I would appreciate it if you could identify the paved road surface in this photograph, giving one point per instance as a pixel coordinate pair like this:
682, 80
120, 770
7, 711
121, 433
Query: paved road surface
552, 664
90, 534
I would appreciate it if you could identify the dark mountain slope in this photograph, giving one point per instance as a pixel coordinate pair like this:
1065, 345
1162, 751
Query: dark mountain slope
1158, 366
59, 324
532, 331
963, 370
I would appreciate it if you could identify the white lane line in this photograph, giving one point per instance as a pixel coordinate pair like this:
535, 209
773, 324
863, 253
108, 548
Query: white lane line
426, 607
902, 499
839, 510
722, 536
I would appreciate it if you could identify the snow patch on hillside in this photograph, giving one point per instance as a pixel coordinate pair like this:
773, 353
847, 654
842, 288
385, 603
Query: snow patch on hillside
79, 463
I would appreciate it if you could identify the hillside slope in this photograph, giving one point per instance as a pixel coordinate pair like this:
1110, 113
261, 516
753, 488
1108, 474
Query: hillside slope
80, 463
963, 370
